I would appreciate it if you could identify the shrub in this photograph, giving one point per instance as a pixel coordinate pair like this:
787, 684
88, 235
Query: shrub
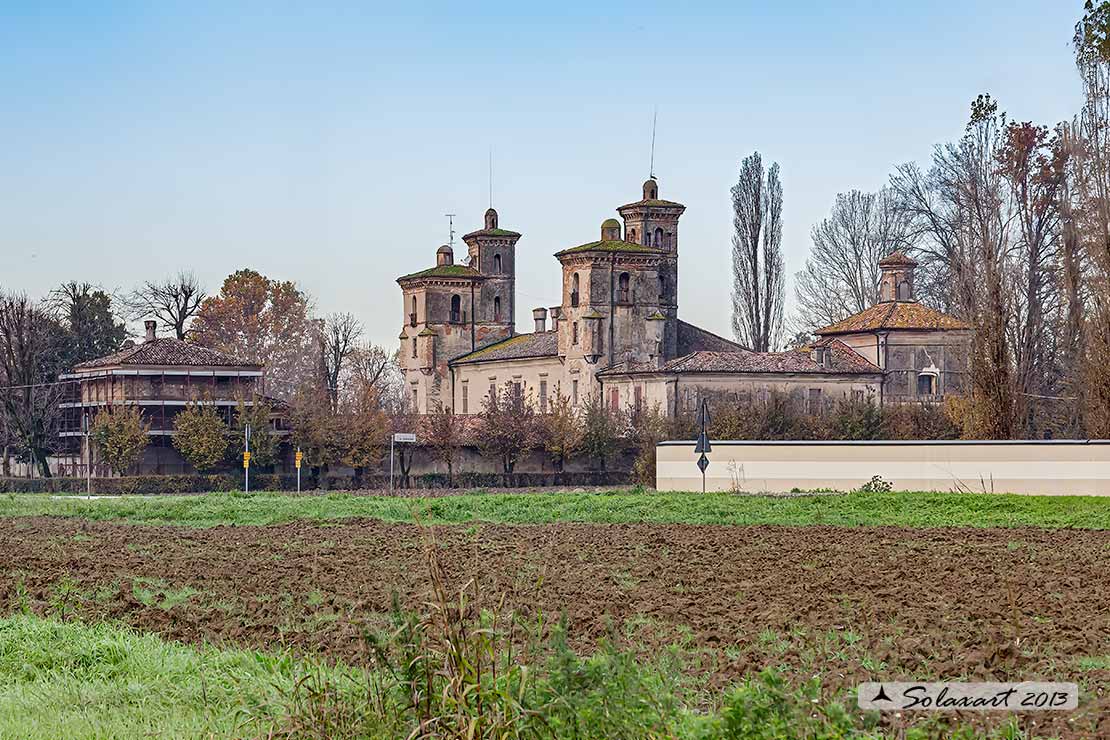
201, 436
120, 436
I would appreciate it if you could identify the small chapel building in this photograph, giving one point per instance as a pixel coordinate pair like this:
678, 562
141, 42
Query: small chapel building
616, 331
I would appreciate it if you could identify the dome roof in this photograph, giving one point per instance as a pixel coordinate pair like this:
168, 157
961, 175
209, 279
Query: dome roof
610, 223
445, 250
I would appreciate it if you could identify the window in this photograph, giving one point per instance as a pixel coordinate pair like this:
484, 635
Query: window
574, 392
496, 264
497, 308
543, 395
638, 396
926, 384
662, 287
574, 290
622, 288
574, 333
632, 235
415, 400
658, 242
615, 399
493, 393
456, 309
904, 292
412, 314
813, 401
465, 398
518, 391
414, 346
857, 396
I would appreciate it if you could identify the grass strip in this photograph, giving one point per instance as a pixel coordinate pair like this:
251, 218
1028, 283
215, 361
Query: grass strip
848, 510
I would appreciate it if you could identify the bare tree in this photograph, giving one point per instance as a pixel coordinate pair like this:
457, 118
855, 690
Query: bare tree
758, 268
173, 301
339, 335
30, 346
841, 276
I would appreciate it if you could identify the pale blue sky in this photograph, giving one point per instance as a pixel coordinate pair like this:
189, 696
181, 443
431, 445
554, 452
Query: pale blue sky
324, 144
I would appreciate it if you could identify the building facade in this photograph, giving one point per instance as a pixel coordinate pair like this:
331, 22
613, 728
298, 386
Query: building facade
616, 331
160, 376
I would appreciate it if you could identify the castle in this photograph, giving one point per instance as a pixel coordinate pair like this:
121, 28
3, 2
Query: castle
616, 331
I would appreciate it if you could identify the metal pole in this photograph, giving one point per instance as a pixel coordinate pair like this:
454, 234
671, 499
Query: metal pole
391, 463
298, 472
88, 456
247, 461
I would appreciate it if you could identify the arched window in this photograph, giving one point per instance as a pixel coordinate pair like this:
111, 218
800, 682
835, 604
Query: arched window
574, 290
412, 314
497, 308
662, 287
632, 235
456, 309
622, 289
414, 346
904, 293
496, 264
658, 237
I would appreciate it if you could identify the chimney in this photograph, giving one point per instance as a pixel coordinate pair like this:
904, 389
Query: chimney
151, 330
540, 317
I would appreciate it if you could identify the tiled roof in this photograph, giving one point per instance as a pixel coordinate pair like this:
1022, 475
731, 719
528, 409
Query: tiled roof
522, 346
656, 202
491, 232
458, 271
897, 258
895, 315
611, 246
842, 361
167, 352
694, 339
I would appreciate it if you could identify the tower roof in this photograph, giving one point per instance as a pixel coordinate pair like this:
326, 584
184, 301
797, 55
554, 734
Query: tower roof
651, 198
490, 228
443, 271
895, 315
897, 258
610, 245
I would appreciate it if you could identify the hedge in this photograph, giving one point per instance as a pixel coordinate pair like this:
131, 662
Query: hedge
161, 484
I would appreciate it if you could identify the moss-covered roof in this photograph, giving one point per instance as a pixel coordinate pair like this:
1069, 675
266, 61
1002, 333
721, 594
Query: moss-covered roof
456, 271
656, 202
522, 346
427, 332
614, 245
610, 223
491, 232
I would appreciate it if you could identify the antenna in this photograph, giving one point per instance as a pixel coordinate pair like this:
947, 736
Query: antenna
654, 119
450, 229
491, 176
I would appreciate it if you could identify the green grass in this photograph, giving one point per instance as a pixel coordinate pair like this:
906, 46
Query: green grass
78, 681
853, 509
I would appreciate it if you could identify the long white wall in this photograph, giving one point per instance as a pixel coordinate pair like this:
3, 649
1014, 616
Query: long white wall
1049, 468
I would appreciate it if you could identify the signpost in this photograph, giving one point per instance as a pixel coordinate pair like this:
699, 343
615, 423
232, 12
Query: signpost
703, 445
297, 461
247, 457
400, 438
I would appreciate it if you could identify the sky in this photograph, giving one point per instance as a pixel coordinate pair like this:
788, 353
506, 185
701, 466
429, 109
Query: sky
324, 142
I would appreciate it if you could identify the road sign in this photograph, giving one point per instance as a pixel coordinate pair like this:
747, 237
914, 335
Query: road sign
703, 463
246, 459
298, 458
404, 437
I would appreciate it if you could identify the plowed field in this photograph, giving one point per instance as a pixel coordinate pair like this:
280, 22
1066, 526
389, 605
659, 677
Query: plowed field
851, 604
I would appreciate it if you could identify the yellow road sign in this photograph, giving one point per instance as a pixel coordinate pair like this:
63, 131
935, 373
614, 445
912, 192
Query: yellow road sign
299, 457
246, 459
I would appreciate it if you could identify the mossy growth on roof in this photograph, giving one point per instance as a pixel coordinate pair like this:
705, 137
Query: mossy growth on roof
610, 223
427, 332
611, 246
460, 271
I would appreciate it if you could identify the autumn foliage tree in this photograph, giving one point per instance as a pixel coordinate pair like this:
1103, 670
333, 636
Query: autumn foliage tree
264, 321
601, 430
120, 435
560, 431
506, 427
442, 432
201, 436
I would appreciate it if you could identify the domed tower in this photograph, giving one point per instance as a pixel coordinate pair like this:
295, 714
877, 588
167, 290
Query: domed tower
653, 222
492, 253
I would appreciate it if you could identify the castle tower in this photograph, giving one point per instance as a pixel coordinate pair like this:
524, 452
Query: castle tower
437, 324
492, 252
653, 222
896, 283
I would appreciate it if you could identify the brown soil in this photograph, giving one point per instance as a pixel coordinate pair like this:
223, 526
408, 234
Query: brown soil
851, 604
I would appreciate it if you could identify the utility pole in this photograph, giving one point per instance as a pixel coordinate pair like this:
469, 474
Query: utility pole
88, 453
247, 457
